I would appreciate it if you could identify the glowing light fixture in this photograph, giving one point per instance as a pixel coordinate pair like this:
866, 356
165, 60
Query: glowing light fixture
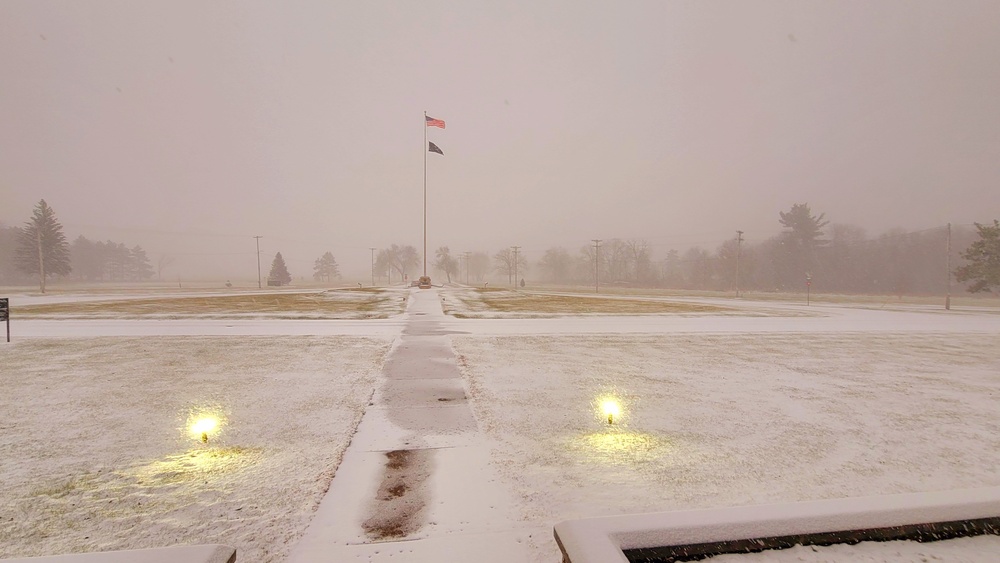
203, 426
611, 409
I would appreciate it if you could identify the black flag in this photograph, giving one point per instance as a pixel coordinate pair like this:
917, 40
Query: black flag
434, 148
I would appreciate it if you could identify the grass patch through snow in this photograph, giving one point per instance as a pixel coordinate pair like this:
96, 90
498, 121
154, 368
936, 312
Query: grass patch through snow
334, 304
507, 301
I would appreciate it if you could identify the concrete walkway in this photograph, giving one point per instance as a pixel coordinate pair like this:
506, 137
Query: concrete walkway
416, 482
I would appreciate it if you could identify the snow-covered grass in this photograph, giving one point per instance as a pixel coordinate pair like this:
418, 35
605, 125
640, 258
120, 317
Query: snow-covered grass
94, 454
330, 304
747, 404
504, 303
714, 420
960, 297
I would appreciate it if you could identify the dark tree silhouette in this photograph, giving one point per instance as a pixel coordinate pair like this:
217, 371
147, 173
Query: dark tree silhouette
446, 262
798, 245
279, 272
983, 269
42, 248
325, 268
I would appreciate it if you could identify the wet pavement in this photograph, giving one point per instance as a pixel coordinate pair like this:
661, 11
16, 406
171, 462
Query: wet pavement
416, 481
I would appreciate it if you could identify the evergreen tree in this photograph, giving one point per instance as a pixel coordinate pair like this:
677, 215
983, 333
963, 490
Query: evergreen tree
84, 259
138, 264
326, 268
983, 255
673, 272
799, 244
42, 248
9, 274
279, 272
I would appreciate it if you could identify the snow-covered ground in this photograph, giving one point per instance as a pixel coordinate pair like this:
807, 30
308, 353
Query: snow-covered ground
714, 420
94, 454
731, 409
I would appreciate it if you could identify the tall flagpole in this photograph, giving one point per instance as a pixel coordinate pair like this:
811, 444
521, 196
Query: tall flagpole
425, 194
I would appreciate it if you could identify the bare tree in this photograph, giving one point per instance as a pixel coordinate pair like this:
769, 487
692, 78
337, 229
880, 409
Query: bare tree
445, 262
639, 256
162, 263
504, 261
557, 264
479, 266
617, 259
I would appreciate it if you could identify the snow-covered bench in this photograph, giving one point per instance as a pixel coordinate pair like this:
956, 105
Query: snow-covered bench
213, 553
737, 529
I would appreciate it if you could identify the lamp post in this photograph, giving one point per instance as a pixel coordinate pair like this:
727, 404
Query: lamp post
597, 265
258, 237
808, 286
373, 264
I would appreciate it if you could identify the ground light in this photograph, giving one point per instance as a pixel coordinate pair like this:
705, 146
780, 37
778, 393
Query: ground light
611, 408
203, 425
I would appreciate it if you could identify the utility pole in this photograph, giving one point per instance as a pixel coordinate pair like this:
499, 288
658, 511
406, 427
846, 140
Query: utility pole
372, 248
468, 255
41, 257
516, 248
739, 248
597, 265
947, 299
258, 237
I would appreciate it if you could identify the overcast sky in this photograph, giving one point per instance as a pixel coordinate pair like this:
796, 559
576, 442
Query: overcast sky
189, 127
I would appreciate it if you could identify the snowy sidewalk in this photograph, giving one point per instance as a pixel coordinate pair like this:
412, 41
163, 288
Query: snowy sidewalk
416, 483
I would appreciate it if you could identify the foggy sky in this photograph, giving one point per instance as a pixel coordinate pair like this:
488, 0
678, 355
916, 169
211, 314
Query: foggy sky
189, 127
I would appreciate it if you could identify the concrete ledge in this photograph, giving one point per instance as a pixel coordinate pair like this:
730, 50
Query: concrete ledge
603, 540
212, 553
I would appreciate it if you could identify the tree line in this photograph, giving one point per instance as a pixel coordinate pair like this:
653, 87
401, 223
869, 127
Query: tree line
831, 257
39, 250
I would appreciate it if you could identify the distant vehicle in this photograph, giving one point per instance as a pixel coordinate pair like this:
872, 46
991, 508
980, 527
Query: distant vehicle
424, 282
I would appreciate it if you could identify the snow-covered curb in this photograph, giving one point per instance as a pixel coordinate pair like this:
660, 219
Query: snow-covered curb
602, 540
215, 553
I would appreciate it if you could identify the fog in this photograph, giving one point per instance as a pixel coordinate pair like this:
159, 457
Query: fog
190, 127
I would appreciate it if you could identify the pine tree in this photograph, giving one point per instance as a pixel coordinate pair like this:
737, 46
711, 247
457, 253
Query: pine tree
799, 244
139, 266
42, 248
326, 268
983, 255
279, 272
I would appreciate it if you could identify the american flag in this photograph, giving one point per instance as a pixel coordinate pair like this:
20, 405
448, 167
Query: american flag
431, 122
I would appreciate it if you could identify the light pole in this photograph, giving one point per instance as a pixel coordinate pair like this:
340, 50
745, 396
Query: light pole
373, 265
947, 298
516, 248
258, 237
739, 247
597, 265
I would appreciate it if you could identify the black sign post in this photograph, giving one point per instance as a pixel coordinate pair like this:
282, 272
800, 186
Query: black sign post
5, 314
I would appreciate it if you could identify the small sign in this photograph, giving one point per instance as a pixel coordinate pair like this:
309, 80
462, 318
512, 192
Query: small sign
5, 314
